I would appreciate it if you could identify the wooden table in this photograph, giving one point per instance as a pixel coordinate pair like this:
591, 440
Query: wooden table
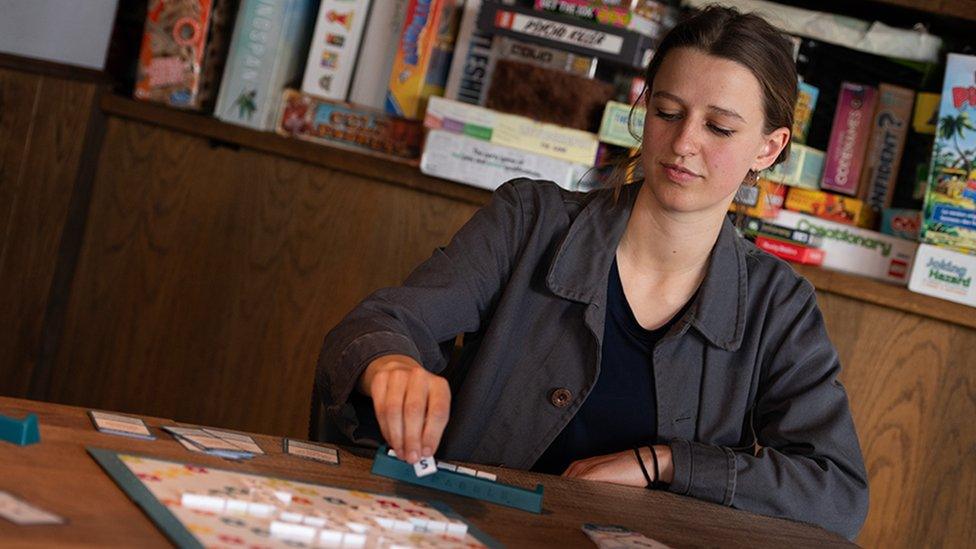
58, 475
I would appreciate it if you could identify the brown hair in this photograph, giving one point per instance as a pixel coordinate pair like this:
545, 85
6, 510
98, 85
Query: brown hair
741, 37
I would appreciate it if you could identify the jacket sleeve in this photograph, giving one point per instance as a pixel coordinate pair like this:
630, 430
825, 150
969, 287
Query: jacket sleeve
807, 462
449, 293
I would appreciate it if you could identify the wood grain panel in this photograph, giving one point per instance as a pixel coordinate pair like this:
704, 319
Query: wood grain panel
911, 384
209, 276
43, 124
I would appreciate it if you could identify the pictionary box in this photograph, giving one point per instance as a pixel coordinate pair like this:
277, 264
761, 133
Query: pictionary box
854, 250
949, 216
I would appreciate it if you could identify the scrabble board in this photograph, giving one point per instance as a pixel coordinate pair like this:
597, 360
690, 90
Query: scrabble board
198, 506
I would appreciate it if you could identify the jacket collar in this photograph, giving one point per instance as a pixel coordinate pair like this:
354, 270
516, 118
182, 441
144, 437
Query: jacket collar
581, 267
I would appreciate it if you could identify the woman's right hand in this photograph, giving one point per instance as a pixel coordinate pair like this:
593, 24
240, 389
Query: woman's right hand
412, 405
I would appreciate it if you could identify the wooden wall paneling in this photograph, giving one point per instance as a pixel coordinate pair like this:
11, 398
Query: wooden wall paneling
910, 381
44, 122
208, 276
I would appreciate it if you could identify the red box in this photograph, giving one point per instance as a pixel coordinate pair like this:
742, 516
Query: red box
790, 251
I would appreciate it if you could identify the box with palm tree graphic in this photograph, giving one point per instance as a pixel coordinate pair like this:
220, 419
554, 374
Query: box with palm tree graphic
950, 200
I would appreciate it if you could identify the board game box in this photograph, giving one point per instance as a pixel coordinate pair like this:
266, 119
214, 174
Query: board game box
202, 506
950, 199
184, 46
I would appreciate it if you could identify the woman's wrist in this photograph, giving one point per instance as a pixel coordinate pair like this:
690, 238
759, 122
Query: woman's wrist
665, 465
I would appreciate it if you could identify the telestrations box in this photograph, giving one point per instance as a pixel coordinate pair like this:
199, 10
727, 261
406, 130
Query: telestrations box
849, 138
943, 273
315, 119
854, 250
482, 164
883, 157
842, 209
950, 199
512, 131
470, 73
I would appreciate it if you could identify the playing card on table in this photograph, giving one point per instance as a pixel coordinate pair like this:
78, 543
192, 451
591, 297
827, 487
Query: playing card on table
207, 442
309, 450
118, 424
20, 512
242, 441
607, 536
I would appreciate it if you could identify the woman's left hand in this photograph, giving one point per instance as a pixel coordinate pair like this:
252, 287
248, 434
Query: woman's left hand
620, 468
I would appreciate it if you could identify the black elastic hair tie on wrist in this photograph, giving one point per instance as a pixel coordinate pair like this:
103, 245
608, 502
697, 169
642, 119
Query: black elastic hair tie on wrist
641, 463
657, 484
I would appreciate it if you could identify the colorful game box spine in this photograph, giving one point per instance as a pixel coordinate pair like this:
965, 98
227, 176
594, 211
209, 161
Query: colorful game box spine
854, 250
565, 32
806, 102
925, 116
470, 73
334, 48
849, 138
315, 119
512, 131
442, 53
621, 16
376, 52
950, 199
791, 251
835, 207
883, 157
478, 163
754, 227
405, 94
764, 200
184, 46
265, 55
945, 274
803, 168
900, 222
545, 57
618, 127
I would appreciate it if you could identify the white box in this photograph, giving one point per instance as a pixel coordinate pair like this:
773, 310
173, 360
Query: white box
334, 48
854, 250
376, 54
62, 31
945, 274
482, 164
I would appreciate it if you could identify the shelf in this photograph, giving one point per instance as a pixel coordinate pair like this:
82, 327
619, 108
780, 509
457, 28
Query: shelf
390, 169
405, 173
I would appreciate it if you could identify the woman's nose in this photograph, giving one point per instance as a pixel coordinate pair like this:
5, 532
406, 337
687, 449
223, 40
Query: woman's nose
685, 141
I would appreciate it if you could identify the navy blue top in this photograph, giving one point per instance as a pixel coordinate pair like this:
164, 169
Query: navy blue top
621, 410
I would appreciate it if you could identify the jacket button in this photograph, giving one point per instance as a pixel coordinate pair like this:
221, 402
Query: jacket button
560, 398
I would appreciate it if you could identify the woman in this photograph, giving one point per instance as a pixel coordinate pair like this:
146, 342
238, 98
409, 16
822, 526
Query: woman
626, 335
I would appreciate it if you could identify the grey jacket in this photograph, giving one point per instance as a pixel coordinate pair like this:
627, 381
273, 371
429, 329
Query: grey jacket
747, 391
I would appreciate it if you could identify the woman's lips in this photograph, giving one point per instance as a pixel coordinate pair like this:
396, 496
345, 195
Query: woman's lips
678, 174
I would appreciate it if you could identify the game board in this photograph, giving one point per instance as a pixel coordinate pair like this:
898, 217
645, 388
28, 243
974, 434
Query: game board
199, 506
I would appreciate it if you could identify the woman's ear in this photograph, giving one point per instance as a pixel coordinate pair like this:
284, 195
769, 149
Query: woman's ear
773, 144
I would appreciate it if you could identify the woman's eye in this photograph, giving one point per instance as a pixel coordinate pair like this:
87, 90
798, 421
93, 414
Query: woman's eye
664, 115
721, 131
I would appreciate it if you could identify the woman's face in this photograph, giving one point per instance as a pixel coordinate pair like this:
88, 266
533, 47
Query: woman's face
704, 132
